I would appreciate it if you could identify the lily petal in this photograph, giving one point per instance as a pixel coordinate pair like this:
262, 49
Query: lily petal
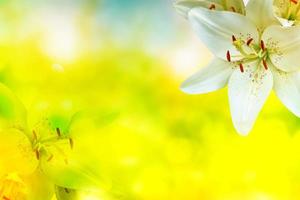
260, 12
235, 6
83, 193
287, 90
16, 148
286, 12
284, 22
248, 92
65, 193
183, 7
68, 165
281, 6
38, 186
216, 28
284, 43
72, 174
12, 111
212, 77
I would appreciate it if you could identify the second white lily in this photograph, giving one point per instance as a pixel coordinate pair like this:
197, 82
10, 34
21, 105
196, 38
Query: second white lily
252, 55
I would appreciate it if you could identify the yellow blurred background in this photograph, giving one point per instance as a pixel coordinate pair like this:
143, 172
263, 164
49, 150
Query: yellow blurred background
129, 57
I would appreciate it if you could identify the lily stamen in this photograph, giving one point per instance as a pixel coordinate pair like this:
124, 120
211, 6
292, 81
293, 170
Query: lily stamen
249, 41
212, 7
37, 154
228, 56
58, 132
34, 135
294, 1
233, 9
50, 158
241, 67
265, 64
71, 142
233, 38
262, 45
43, 147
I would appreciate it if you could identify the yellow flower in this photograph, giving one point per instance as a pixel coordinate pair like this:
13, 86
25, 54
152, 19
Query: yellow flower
35, 158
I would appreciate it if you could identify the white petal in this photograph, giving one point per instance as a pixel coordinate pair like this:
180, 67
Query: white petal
238, 5
248, 92
246, 2
280, 8
183, 7
287, 90
285, 41
261, 13
210, 78
285, 22
215, 29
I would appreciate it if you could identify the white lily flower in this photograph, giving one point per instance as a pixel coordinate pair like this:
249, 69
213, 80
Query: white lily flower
251, 56
184, 6
287, 11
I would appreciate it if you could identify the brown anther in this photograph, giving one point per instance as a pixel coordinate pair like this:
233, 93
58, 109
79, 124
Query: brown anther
233, 9
262, 45
34, 135
294, 1
50, 158
265, 64
37, 154
233, 38
212, 7
228, 56
66, 161
71, 142
241, 67
5, 198
67, 191
58, 132
249, 41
